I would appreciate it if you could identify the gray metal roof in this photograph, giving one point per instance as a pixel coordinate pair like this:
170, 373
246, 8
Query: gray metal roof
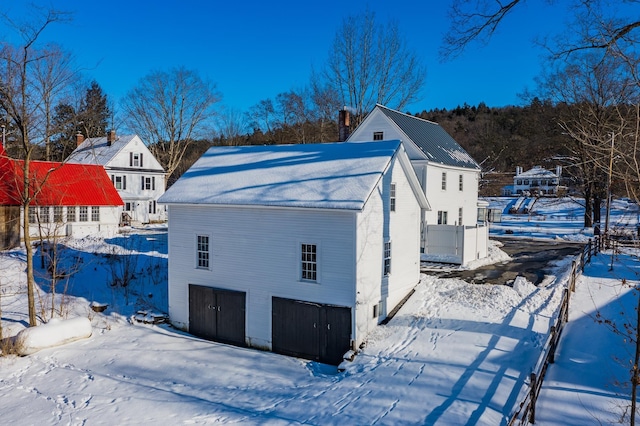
432, 139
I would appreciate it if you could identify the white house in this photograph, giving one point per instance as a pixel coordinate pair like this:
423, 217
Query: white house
299, 249
134, 171
448, 176
536, 181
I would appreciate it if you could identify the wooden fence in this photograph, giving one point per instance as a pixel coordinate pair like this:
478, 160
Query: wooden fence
526, 412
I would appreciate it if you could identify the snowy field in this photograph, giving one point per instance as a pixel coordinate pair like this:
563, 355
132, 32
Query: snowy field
456, 353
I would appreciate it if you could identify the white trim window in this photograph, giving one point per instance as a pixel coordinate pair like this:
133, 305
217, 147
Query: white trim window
71, 213
392, 197
386, 271
460, 183
460, 216
33, 214
442, 217
378, 136
202, 251
95, 214
309, 262
84, 214
444, 181
57, 214
44, 215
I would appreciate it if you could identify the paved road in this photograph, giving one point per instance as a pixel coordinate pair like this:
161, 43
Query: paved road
531, 259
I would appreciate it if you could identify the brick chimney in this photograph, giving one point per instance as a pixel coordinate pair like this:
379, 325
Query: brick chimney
344, 120
111, 137
79, 138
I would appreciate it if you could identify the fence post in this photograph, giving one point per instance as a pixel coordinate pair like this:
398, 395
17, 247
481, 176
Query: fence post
532, 399
552, 349
566, 311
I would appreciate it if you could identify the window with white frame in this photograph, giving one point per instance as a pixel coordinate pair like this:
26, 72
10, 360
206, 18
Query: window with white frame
136, 160
378, 136
57, 214
392, 197
33, 214
71, 213
127, 206
84, 214
149, 182
387, 258
120, 182
460, 216
442, 217
44, 215
95, 214
202, 248
444, 181
460, 184
309, 262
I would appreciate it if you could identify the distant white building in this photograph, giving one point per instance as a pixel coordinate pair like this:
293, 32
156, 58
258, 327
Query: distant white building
536, 181
134, 171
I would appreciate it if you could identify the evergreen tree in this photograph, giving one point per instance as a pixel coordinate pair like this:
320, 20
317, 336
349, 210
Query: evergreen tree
94, 112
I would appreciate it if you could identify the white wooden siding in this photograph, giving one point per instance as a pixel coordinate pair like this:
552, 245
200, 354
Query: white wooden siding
107, 226
376, 224
257, 250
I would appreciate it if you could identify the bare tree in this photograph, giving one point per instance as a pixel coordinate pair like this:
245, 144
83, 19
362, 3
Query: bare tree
21, 100
371, 63
232, 126
169, 109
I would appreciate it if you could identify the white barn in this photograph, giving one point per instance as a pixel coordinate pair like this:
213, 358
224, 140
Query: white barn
134, 171
453, 230
299, 249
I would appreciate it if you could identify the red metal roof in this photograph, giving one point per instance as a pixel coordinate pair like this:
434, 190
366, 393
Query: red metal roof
56, 184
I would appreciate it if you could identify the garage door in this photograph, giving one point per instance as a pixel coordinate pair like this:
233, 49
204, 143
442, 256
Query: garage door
217, 314
310, 330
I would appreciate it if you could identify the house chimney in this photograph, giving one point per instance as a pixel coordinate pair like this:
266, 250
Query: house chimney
343, 124
518, 170
558, 170
79, 138
111, 137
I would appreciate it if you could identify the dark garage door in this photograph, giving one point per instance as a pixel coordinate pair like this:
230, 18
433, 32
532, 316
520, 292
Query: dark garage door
310, 330
217, 314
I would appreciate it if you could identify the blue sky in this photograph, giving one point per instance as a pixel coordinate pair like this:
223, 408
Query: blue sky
254, 50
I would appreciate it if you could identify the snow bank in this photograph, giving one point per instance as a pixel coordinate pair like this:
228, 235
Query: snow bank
523, 286
55, 333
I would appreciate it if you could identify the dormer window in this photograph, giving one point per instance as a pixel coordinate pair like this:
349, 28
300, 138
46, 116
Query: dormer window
378, 136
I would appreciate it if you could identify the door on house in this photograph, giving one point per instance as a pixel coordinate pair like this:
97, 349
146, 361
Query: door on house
217, 314
310, 330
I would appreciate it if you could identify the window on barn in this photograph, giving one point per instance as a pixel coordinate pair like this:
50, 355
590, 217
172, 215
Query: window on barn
387, 259
95, 214
444, 181
57, 214
33, 214
309, 262
203, 251
460, 216
71, 214
442, 217
44, 215
84, 214
392, 197
460, 186
378, 136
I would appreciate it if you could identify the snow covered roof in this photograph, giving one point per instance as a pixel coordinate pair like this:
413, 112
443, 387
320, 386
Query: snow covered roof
537, 172
432, 139
324, 175
98, 151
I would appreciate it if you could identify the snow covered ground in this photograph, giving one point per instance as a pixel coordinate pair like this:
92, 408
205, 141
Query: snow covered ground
456, 353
